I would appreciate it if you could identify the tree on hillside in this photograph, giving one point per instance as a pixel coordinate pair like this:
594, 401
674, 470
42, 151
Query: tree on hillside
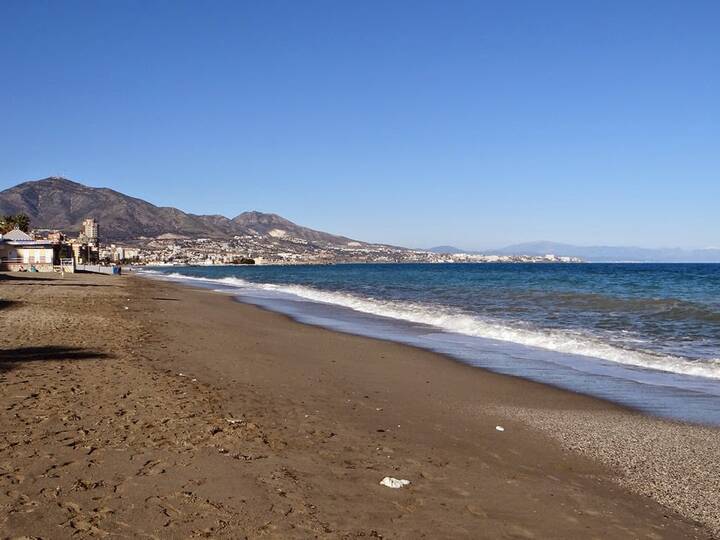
6, 224
9, 222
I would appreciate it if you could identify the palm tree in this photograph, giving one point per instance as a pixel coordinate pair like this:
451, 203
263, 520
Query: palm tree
22, 222
6, 224
10, 222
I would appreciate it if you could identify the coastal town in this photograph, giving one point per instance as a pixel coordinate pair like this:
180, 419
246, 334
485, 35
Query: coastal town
264, 249
46, 250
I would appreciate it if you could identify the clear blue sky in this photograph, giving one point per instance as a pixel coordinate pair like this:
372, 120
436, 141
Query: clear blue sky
473, 123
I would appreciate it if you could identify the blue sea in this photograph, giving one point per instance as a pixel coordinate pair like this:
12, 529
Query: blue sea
643, 335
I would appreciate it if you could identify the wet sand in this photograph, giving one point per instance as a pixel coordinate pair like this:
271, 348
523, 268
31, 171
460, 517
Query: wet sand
134, 408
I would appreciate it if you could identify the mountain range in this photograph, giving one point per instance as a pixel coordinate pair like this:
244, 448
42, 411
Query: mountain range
599, 253
59, 203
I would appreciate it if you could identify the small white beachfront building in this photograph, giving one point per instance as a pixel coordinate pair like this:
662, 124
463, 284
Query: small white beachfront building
18, 251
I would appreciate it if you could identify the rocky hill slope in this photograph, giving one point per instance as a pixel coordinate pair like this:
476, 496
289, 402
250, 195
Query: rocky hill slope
59, 203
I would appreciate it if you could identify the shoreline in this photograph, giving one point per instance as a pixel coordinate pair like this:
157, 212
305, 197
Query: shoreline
449, 358
674, 396
443, 357
536, 413
283, 427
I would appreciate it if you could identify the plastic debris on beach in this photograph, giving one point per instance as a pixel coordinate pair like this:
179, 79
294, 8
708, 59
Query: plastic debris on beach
500, 428
393, 483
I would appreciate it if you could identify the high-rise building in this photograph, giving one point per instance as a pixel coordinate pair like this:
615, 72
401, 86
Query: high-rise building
91, 230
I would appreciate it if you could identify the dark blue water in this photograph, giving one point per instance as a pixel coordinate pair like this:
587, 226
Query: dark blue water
646, 335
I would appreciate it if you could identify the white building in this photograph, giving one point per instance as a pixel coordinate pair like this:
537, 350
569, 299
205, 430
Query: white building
18, 251
91, 230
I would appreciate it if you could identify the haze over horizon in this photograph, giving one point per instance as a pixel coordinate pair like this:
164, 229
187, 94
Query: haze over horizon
415, 124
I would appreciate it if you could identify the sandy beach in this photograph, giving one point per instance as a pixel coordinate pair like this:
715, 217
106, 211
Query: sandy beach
135, 408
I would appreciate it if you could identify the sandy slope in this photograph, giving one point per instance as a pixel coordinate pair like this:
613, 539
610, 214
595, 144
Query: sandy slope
187, 414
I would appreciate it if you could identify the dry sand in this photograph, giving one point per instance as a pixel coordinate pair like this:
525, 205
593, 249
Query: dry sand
135, 409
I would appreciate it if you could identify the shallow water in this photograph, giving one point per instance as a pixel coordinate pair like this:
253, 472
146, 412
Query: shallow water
644, 335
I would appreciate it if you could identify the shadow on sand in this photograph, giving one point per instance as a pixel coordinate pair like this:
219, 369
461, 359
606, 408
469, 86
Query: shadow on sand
24, 276
5, 304
10, 358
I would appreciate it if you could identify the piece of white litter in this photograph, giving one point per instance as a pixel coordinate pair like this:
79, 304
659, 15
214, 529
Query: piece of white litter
232, 421
393, 483
127, 307
194, 380
500, 428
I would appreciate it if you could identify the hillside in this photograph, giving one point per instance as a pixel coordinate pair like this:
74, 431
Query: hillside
59, 203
